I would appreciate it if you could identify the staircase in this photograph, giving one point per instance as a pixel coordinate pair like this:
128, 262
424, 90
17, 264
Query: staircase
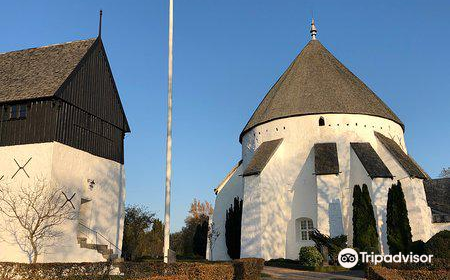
106, 250
108, 254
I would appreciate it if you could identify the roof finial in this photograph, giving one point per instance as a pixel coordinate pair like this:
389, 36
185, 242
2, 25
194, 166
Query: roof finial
313, 30
100, 25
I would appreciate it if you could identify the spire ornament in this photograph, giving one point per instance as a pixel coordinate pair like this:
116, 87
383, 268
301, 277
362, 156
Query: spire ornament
313, 30
100, 24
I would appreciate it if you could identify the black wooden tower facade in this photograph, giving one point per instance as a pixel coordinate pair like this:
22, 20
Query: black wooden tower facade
64, 93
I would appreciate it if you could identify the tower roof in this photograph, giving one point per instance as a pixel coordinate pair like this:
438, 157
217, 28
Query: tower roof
317, 83
39, 72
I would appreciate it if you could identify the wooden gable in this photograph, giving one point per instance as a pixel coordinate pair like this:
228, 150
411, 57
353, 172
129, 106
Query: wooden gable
91, 88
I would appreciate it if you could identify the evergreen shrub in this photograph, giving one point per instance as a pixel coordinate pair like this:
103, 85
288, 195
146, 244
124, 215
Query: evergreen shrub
233, 223
310, 256
365, 235
399, 237
439, 245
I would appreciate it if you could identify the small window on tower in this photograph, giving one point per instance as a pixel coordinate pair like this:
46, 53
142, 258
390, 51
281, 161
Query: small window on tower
23, 111
14, 112
321, 121
5, 113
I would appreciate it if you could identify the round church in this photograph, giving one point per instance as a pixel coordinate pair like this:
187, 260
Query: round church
317, 133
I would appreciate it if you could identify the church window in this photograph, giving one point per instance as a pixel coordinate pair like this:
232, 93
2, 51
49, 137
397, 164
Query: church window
304, 229
321, 121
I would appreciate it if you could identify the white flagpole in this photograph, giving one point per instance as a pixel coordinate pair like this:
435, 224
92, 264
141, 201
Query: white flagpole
169, 139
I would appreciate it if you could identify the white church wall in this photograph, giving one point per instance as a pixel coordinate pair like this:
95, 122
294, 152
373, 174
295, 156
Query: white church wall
73, 167
251, 244
301, 201
69, 167
232, 188
379, 195
437, 227
283, 186
38, 167
419, 213
358, 176
329, 211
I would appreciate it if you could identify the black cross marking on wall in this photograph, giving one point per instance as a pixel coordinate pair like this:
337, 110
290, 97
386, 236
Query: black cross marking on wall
2, 177
21, 168
68, 200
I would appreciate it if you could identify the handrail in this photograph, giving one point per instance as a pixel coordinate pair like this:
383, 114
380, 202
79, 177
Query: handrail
101, 235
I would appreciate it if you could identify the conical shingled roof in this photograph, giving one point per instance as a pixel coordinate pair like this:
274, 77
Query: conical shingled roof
317, 83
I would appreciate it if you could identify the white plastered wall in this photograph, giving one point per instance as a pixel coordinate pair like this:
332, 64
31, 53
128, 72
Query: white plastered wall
231, 188
437, 227
287, 188
329, 211
419, 213
379, 195
69, 167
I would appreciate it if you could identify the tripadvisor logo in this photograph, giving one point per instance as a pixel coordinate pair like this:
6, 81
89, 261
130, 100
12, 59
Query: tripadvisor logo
348, 258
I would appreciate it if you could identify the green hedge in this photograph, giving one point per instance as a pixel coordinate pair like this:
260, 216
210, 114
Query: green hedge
439, 245
194, 271
436, 264
52, 270
242, 269
248, 269
383, 273
295, 264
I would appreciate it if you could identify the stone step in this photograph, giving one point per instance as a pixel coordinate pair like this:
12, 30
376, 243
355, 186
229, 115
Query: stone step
108, 254
101, 247
81, 239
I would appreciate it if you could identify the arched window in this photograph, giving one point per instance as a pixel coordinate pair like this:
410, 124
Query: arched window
321, 121
304, 228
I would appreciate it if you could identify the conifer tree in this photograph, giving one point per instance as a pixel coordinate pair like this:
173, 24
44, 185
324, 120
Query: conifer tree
200, 239
358, 217
371, 235
365, 236
233, 229
399, 236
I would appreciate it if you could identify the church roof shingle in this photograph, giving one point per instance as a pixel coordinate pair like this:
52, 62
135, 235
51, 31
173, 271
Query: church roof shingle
371, 161
326, 159
317, 83
261, 157
39, 72
408, 164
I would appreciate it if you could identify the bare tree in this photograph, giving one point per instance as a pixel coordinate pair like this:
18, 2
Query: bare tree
213, 234
33, 215
445, 173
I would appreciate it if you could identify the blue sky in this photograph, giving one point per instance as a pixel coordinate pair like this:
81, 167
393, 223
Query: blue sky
227, 55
